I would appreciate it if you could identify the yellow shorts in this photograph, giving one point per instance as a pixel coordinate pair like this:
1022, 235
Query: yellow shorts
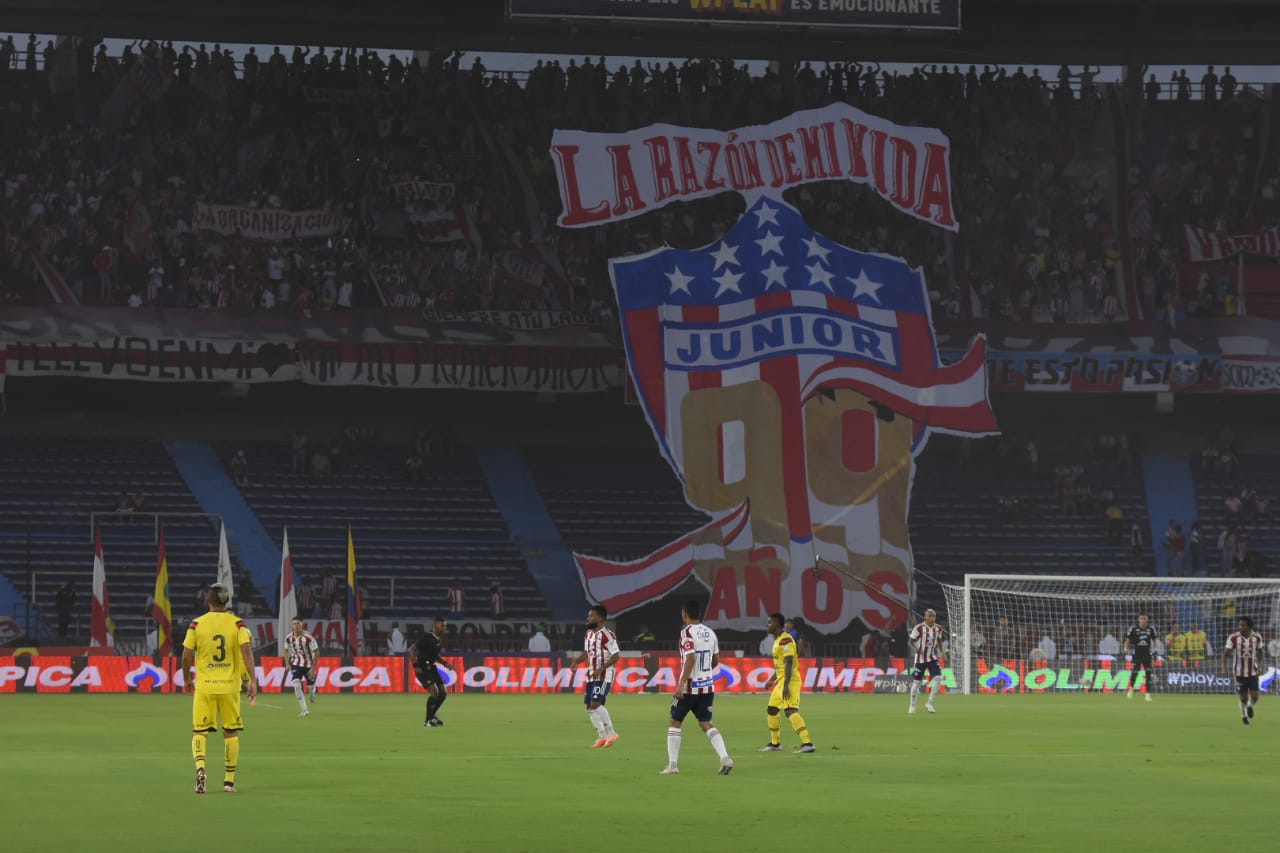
209, 707
793, 700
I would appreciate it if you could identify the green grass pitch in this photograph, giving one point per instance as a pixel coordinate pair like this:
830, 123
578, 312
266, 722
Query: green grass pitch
512, 773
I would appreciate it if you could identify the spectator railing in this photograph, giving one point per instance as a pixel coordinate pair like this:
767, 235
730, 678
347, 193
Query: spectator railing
131, 517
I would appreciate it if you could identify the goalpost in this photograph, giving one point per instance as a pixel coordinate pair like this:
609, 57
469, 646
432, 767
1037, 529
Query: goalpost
1063, 633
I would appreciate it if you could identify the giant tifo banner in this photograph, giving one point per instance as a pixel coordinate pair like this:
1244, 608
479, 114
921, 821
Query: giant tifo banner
468, 673
606, 177
1206, 245
789, 381
256, 223
492, 350
899, 14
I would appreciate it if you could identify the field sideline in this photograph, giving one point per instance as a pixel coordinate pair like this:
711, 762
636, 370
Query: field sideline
510, 773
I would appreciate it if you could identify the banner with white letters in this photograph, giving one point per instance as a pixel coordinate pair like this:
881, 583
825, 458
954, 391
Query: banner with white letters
254, 223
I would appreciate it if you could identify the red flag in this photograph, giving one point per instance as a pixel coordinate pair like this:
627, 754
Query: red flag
100, 629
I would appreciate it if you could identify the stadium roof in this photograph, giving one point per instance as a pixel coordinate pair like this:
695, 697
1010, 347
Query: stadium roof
1109, 32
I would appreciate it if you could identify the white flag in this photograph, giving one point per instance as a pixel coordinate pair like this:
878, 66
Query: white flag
288, 597
224, 567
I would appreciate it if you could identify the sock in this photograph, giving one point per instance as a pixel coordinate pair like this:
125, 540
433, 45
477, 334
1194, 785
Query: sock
1244, 707
934, 686
603, 714
1250, 702
297, 691
673, 747
231, 746
594, 715
775, 730
313, 691
915, 691
797, 723
199, 743
717, 743
432, 706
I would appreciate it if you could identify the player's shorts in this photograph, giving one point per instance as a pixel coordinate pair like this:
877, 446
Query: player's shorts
597, 691
930, 666
429, 676
209, 707
301, 673
793, 696
700, 704
1246, 682
1142, 662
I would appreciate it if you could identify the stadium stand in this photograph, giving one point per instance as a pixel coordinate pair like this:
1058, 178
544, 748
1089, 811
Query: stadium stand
102, 185
51, 489
412, 536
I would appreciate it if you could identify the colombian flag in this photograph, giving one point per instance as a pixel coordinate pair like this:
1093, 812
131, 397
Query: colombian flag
161, 611
353, 617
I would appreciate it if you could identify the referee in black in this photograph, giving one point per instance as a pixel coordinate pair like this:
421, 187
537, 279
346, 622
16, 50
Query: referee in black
423, 656
1141, 639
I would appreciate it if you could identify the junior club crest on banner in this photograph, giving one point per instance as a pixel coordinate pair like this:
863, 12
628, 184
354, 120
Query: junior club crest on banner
790, 382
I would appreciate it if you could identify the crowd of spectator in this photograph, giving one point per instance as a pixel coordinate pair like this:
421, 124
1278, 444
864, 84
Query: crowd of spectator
1238, 555
106, 157
1198, 163
105, 164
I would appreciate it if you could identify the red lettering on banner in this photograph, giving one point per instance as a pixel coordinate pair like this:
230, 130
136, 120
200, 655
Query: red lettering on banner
688, 170
575, 213
724, 602
775, 163
828, 609
833, 154
751, 162
709, 179
664, 179
878, 140
854, 133
763, 589
790, 170
626, 193
935, 191
904, 173
813, 165
897, 611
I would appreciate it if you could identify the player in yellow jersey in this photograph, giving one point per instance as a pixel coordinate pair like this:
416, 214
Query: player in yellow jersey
218, 648
787, 682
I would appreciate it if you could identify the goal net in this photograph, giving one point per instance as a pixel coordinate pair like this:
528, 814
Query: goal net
1027, 633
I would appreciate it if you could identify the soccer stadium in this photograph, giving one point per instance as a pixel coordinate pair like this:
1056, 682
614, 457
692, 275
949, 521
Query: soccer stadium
455, 400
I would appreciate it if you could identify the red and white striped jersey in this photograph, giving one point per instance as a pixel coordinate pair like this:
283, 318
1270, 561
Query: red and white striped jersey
1248, 653
927, 642
600, 645
701, 642
301, 650
457, 599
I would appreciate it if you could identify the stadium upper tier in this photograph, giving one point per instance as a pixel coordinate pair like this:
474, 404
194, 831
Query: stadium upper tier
430, 185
